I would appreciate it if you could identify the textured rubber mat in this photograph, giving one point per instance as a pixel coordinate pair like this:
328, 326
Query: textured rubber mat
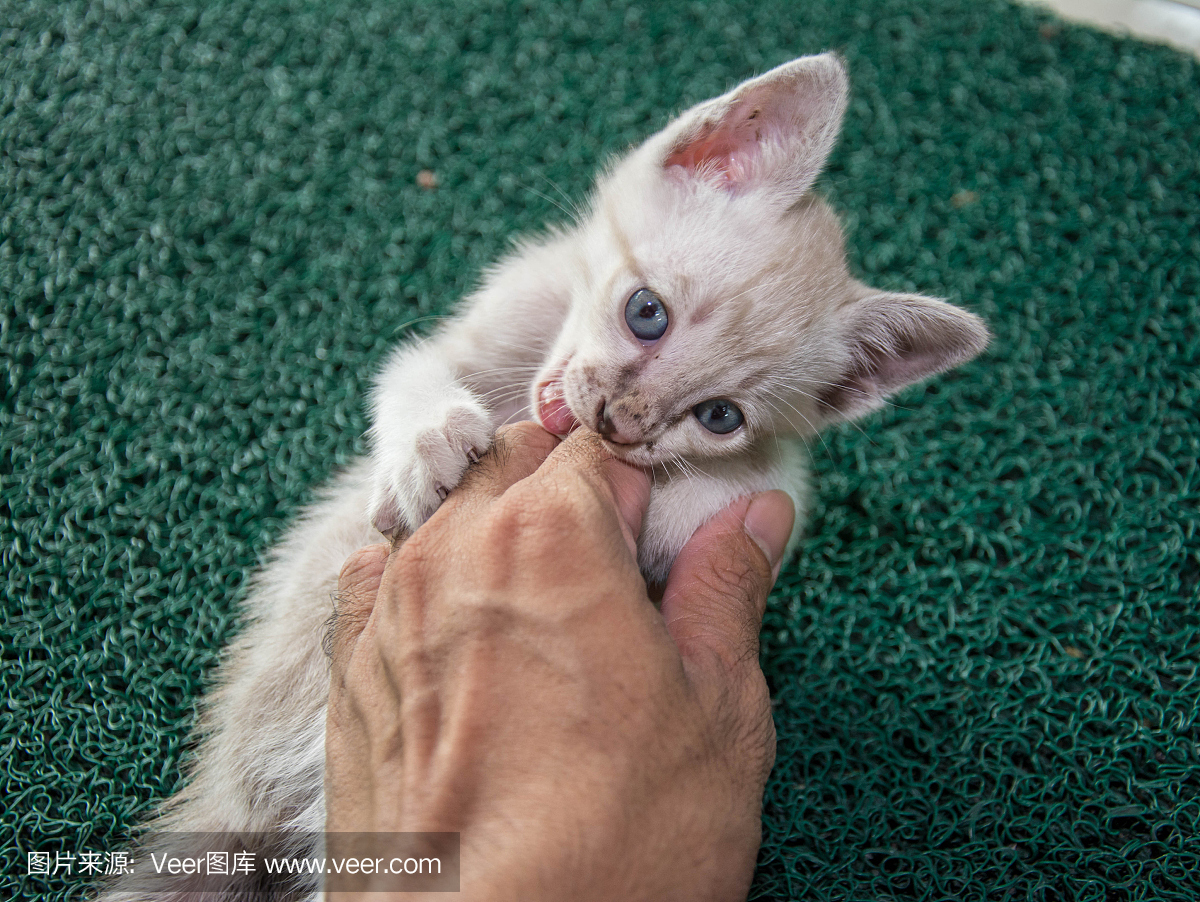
213, 223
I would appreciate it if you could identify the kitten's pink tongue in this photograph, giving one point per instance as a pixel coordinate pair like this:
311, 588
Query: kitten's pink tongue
553, 411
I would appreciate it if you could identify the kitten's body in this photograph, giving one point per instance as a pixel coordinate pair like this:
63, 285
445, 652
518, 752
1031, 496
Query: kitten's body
714, 216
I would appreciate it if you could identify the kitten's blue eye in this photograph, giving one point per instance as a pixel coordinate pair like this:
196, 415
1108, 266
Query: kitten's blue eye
718, 415
646, 315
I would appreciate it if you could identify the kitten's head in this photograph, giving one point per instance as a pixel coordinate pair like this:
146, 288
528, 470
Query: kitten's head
715, 310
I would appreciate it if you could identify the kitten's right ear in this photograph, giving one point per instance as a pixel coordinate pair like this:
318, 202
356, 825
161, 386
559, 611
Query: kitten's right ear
773, 131
895, 340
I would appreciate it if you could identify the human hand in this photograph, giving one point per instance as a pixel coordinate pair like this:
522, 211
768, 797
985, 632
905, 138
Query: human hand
503, 674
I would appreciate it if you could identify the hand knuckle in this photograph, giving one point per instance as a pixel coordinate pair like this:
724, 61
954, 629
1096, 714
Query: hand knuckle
416, 557
522, 435
549, 509
363, 563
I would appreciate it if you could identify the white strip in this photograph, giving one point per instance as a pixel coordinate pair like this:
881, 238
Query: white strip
1160, 21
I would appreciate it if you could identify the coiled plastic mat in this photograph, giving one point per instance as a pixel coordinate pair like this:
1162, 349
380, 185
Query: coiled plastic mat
212, 225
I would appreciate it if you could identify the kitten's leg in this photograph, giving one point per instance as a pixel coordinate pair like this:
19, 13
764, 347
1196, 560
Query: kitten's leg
683, 500
438, 402
428, 427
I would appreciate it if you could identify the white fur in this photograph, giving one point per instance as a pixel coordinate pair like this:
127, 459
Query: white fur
715, 216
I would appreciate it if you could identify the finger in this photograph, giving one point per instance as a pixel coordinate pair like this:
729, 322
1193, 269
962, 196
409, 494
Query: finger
716, 594
516, 452
358, 586
583, 454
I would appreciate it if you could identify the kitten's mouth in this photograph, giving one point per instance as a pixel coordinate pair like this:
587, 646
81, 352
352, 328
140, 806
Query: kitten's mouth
556, 416
552, 410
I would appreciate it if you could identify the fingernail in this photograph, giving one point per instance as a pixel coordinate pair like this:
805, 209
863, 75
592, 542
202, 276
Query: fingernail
769, 521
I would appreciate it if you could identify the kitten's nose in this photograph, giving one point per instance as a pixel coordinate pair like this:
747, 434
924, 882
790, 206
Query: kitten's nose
607, 428
604, 423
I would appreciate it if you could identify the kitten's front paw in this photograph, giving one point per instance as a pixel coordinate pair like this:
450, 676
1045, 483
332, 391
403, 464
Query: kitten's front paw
415, 471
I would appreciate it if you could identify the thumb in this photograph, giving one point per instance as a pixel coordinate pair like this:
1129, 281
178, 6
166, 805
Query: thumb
358, 586
716, 594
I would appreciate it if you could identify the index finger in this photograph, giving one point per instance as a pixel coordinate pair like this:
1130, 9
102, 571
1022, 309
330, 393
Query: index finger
584, 455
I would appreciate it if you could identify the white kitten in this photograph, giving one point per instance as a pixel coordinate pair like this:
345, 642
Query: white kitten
700, 318
705, 272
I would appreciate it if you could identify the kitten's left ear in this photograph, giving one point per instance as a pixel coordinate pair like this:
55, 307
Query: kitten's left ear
775, 130
894, 340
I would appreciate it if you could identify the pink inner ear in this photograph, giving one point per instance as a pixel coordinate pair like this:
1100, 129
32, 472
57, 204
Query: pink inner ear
713, 149
727, 147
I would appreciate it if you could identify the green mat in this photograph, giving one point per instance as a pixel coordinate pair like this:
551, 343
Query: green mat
984, 659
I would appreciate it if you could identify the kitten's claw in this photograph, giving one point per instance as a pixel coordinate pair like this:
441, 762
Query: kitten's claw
387, 525
417, 467
387, 518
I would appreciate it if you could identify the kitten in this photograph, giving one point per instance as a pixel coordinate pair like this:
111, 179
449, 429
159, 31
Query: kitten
700, 318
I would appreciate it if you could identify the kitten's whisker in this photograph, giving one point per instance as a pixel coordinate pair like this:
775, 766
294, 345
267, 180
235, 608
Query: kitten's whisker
812, 381
504, 395
508, 368
501, 400
510, 419
851, 422
517, 354
686, 466
689, 469
570, 200
800, 413
791, 387
539, 352
510, 385
840, 385
521, 371
778, 281
572, 215
779, 442
420, 319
